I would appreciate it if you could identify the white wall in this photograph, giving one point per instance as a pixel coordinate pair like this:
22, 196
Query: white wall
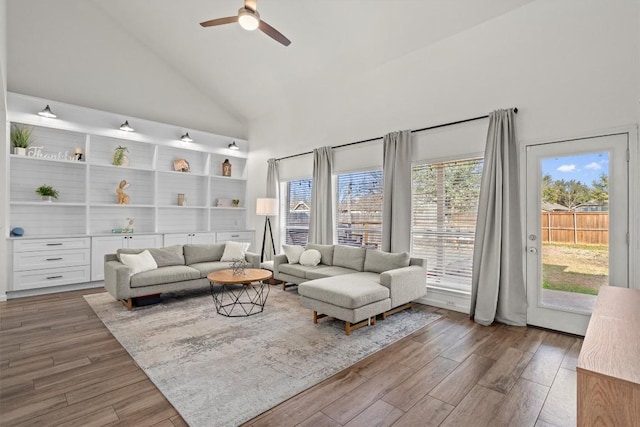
570, 67
102, 66
3, 148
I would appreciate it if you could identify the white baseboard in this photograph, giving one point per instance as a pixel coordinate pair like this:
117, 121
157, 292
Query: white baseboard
53, 290
3, 297
443, 298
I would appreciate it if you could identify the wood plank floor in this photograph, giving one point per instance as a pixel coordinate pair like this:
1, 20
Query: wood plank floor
59, 365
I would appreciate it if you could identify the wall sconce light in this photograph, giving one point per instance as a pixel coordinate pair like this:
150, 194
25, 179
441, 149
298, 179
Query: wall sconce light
233, 146
47, 113
186, 138
125, 127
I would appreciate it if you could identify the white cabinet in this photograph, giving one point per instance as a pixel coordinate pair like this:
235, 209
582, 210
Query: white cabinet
102, 245
41, 263
189, 238
236, 236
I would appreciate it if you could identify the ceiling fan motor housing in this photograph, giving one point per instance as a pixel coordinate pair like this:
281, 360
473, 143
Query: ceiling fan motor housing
248, 19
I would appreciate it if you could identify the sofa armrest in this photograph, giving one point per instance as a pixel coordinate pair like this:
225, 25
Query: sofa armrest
277, 260
252, 259
405, 284
117, 279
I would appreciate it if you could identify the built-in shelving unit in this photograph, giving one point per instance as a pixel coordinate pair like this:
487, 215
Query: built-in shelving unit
88, 202
65, 240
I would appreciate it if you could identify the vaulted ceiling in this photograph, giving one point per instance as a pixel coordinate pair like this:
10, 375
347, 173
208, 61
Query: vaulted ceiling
83, 52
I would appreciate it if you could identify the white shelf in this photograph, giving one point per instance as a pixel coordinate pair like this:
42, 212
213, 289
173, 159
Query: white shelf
178, 173
98, 165
221, 208
180, 207
228, 178
47, 204
117, 206
43, 159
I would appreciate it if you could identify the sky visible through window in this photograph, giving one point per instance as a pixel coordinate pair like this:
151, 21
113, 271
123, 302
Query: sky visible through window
585, 168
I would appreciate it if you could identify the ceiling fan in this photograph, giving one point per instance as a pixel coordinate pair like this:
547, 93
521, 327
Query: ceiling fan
249, 19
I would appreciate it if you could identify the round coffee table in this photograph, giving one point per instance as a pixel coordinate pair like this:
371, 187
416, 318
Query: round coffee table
241, 295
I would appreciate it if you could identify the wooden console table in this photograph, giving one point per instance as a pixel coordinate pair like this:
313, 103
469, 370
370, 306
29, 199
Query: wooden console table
609, 363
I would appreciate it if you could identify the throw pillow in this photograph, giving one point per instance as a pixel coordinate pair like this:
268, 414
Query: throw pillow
310, 258
379, 262
139, 263
234, 251
293, 253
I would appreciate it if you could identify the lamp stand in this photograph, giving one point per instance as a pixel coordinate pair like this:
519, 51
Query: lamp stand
267, 222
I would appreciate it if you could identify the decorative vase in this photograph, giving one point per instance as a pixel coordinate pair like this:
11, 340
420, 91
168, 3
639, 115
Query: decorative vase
20, 151
182, 201
226, 168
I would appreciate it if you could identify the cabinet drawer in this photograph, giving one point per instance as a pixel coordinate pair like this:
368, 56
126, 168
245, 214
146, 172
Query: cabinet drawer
238, 236
51, 244
50, 277
50, 259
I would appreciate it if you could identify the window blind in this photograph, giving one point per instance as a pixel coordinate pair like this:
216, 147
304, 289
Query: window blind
445, 206
294, 222
359, 210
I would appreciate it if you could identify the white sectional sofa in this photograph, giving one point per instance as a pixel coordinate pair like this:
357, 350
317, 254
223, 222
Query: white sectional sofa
354, 284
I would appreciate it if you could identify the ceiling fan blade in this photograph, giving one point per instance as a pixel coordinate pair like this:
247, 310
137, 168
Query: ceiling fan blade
219, 21
273, 33
251, 4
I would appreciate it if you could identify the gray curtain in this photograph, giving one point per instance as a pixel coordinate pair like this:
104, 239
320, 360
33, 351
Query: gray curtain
321, 221
396, 199
498, 287
273, 191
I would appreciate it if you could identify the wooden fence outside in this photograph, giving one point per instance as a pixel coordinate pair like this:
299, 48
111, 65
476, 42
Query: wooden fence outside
589, 228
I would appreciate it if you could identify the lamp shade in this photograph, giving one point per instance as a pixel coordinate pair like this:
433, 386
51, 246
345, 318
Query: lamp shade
267, 206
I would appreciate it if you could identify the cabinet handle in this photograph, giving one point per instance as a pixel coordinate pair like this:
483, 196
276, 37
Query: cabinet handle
54, 259
235, 235
54, 244
54, 277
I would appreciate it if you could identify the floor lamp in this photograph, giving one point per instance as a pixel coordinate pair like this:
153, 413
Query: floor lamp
267, 207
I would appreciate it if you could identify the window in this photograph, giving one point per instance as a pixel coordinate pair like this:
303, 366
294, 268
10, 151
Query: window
294, 222
445, 206
359, 210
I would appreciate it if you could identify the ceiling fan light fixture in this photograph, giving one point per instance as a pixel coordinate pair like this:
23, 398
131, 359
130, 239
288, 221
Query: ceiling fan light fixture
233, 146
126, 127
186, 138
47, 113
248, 19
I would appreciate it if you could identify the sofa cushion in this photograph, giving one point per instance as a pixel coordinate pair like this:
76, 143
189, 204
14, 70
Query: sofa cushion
349, 257
203, 253
234, 251
293, 253
295, 269
310, 257
327, 271
139, 263
326, 251
171, 255
379, 262
348, 291
207, 267
171, 274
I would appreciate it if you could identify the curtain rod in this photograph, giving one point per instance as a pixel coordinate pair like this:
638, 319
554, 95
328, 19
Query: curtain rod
515, 110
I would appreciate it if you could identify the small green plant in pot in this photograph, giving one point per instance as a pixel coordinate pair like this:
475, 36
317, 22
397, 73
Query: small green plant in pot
20, 139
119, 156
47, 192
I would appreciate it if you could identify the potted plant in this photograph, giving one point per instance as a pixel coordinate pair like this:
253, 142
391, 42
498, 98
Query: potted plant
20, 139
235, 203
47, 192
119, 156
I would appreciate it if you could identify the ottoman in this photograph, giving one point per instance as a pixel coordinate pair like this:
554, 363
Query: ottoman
354, 298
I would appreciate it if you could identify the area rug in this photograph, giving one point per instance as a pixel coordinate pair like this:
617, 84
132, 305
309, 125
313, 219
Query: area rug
221, 371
